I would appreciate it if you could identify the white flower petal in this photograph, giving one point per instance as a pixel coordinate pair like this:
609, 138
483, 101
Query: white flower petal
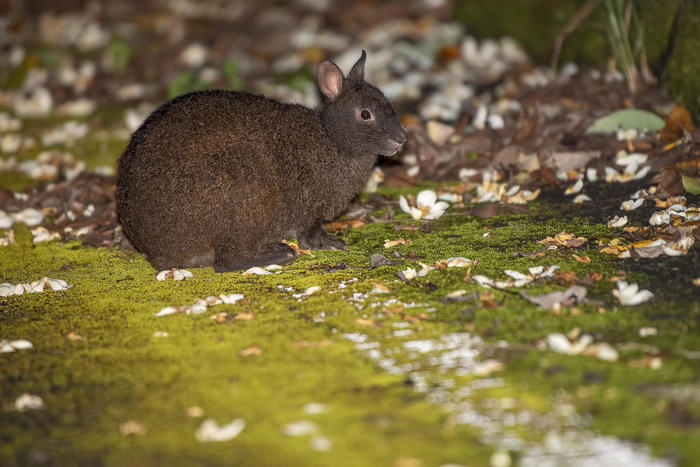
231, 299
210, 431
426, 198
630, 295
403, 203
257, 270
21, 344
168, 310
416, 213
28, 402
516, 274
559, 343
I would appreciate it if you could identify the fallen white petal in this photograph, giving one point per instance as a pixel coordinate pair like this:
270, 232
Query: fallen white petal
257, 270
299, 428
403, 203
483, 280
426, 198
630, 205
575, 188
629, 294
409, 274
168, 310
314, 408
210, 431
559, 343
231, 299
181, 274
29, 216
28, 402
321, 443
617, 221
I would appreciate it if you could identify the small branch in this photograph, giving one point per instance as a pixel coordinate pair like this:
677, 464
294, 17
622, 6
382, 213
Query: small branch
573, 24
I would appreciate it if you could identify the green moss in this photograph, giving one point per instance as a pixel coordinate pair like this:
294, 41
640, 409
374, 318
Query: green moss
683, 71
121, 372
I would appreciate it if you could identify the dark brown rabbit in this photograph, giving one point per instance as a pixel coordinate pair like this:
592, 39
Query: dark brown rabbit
221, 177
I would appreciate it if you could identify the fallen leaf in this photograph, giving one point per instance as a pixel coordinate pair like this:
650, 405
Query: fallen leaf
365, 322
690, 175
406, 227
627, 119
244, 316
581, 259
398, 241
678, 123
573, 295
252, 350
296, 248
341, 225
72, 336
132, 427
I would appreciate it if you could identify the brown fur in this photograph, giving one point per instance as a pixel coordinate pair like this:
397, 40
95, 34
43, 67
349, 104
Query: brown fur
220, 177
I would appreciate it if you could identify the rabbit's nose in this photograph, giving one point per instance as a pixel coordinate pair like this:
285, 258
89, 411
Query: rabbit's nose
402, 138
399, 141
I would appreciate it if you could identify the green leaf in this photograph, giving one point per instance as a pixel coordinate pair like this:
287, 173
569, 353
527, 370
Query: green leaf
185, 82
691, 184
230, 70
626, 120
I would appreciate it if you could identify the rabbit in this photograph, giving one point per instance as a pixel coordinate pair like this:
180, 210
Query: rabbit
219, 178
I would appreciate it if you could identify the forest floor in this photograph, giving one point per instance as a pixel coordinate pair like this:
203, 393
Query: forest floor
548, 316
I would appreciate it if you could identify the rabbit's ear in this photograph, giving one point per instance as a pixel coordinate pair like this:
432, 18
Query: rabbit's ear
357, 72
330, 79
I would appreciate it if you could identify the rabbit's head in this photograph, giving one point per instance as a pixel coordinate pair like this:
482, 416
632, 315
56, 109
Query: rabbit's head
356, 115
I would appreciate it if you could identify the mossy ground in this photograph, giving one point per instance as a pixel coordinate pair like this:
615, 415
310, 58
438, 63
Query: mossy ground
121, 372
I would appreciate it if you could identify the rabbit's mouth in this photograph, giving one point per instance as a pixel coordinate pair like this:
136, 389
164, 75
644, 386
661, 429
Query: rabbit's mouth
392, 147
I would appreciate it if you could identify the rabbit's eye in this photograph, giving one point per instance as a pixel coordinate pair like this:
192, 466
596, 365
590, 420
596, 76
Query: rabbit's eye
365, 114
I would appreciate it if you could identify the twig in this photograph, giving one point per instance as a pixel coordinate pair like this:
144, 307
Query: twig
571, 26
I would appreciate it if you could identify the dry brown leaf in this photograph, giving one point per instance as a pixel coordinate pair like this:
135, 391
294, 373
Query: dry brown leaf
563, 239
365, 322
220, 318
612, 250
72, 336
406, 227
398, 241
252, 350
449, 52
468, 276
132, 427
678, 123
338, 226
244, 316
567, 276
581, 259
394, 310
296, 248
